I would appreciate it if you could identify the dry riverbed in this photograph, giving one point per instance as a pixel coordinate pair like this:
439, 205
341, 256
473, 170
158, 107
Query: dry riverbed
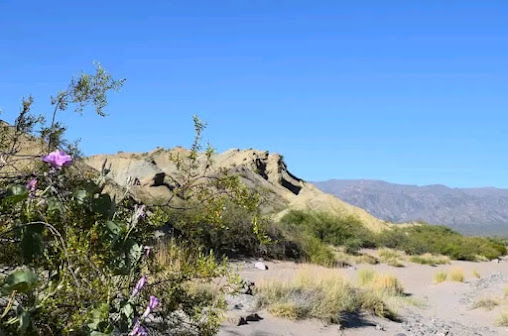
446, 308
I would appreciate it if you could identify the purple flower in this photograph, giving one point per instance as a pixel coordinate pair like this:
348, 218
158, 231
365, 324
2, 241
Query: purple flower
137, 329
139, 286
154, 302
140, 212
32, 186
57, 159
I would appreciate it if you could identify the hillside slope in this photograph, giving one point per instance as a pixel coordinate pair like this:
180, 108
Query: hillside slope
154, 173
470, 210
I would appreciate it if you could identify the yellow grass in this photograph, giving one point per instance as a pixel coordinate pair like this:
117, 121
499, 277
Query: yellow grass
502, 320
440, 277
486, 303
366, 277
429, 259
457, 274
476, 274
391, 257
324, 294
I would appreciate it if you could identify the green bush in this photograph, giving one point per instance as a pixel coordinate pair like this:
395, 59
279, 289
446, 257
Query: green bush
436, 239
81, 262
331, 229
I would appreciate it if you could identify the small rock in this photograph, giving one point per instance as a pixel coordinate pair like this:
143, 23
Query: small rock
261, 265
241, 321
253, 318
380, 327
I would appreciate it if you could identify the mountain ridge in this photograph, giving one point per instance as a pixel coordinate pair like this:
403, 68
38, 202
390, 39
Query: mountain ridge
469, 210
257, 168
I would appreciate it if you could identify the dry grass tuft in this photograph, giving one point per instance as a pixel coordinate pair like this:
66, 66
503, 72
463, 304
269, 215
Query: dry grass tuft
347, 258
457, 274
324, 294
440, 277
502, 320
388, 283
485, 303
429, 259
366, 277
476, 274
391, 257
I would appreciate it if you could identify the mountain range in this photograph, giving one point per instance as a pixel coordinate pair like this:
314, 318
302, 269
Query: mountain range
467, 210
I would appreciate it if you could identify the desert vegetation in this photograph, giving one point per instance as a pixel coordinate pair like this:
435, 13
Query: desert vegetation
440, 276
81, 254
327, 295
314, 232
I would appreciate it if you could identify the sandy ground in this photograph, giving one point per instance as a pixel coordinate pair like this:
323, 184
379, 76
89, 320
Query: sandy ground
440, 309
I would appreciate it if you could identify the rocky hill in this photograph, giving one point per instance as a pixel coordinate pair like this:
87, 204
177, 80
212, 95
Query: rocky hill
469, 210
154, 174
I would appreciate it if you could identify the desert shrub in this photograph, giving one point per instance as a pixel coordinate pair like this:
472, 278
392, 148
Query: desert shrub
323, 294
332, 229
440, 277
485, 303
434, 239
457, 274
81, 262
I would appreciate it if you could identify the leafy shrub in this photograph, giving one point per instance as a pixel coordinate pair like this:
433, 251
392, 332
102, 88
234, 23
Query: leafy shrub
331, 229
82, 262
417, 240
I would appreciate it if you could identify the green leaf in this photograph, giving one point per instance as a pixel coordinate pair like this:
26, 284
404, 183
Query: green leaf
104, 206
15, 194
114, 227
24, 320
133, 251
81, 195
54, 205
128, 311
22, 281
31, 242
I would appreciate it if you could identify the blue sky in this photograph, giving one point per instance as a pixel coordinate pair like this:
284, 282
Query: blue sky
406, 91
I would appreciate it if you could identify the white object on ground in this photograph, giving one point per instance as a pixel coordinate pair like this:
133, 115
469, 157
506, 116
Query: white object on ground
260, 265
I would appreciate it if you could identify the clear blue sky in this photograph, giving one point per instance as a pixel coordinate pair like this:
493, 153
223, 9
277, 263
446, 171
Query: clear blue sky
406, 91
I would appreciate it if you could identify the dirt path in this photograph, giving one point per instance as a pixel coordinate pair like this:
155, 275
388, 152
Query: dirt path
436, 309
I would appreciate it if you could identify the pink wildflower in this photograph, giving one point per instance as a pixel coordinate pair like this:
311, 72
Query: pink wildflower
57, 159
139, 286
154, 302
137, 329
32, 186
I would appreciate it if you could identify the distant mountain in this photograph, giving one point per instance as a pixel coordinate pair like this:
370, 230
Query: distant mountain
468, 210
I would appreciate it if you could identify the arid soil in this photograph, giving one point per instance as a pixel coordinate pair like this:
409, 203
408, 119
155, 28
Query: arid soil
431, 309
